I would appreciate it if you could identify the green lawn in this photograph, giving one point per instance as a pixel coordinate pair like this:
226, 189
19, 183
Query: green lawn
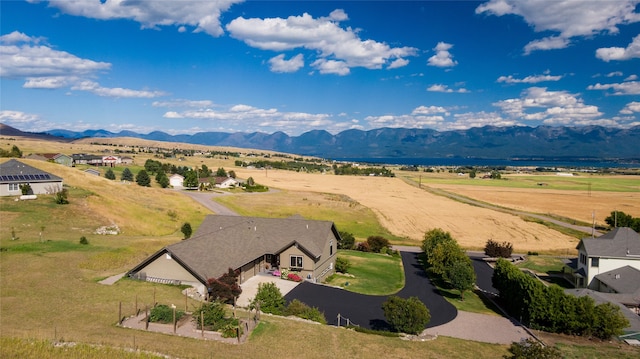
370, 273
543, 264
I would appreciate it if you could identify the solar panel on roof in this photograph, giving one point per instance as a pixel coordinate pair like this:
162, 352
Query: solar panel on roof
21, 177
31, 177
4, 178
46, 176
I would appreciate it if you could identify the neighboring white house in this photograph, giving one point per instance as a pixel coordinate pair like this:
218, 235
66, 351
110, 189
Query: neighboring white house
225, 182
612, 251
14, 173
176, 180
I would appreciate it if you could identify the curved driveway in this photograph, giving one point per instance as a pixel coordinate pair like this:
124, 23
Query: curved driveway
366, 310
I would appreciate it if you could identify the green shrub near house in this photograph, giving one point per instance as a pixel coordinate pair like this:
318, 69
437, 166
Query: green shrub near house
163, 313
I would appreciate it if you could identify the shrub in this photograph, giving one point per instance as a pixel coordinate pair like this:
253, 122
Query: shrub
530, 349
268, 299
226, 287
363, 247
498, 250
302, 310
186, 230
84, 240
342, 265
25, 189
377, 243
406, 315
346, 241
162, 313
61, 197
211, 315
232, 329
294, 277
284, 273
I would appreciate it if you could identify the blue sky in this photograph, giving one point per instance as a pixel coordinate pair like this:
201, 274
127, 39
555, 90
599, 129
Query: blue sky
295, 66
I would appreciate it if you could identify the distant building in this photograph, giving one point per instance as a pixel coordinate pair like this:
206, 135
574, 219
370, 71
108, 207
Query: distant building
92, 171
14, 173
176, 180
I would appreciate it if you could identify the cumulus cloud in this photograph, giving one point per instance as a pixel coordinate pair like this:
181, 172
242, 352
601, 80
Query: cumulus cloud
247, 116
183, 103
620, 53
337, 49
279, 64
203, 16
625, 88
95, 88
445, 89
42, 67
442, 58
631, 108
567, 18
21, 56
550, 107
529, 79
17, 118
631, 77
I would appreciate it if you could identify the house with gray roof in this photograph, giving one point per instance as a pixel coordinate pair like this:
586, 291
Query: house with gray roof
599, 255
14, 173
252, 245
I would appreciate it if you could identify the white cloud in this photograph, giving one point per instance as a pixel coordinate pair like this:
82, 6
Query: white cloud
614, 74
443, 57
620, 53
21, 56
529, 79
445, 88
631, 77
398, 63
567, 18
631, 108
183, 103
202, 15
625, 88
279, 64
404, 121
429, 110
547, 43
95, 88
247, 116
468, 120
550, 107
337, 49
13, 118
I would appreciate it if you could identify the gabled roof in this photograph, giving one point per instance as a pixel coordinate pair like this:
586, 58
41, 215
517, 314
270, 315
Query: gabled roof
621, 242
622, 280
14, 171
224, 242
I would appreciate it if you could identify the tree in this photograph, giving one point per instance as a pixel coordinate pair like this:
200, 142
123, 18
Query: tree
221, 172
472, 174
14, 152
621, 219
495, 174
342, 265
26, 189
142, 179
126, 175
186, 230
462, 276
152, 166
409, 316
432, 238
109, 174
443, 256
162, 179
190, 179
531, 349
251, 181
225, 288
232, 174
204, 172
609, 321
497, 250
346, 240
268, 299
376, 243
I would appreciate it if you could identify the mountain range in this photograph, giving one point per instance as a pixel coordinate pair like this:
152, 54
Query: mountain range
516, 142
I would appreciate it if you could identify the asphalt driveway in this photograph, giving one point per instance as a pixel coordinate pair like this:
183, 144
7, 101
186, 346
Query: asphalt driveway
366, 310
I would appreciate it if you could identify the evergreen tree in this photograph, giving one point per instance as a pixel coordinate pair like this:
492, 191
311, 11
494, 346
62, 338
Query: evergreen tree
109, 174
142, 179
126, 175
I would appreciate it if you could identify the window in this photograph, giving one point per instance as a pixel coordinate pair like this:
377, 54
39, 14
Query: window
296, 261
331, 248
14, 187
595, 262
583, 258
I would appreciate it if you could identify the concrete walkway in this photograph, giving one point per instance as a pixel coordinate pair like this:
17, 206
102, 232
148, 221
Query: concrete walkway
112, 280
250, 287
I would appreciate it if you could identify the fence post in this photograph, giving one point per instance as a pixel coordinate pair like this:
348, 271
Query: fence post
146, 319
185, 300
338, 319
136, 304
174, 319
120, 313
202, 322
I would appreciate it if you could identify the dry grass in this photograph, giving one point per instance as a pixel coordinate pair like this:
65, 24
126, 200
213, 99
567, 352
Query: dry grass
408, 211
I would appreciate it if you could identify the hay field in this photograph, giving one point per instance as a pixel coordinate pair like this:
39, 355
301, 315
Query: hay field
578, 205
408, 211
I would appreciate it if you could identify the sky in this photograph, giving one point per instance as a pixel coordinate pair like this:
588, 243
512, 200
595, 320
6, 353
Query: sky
184, 67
